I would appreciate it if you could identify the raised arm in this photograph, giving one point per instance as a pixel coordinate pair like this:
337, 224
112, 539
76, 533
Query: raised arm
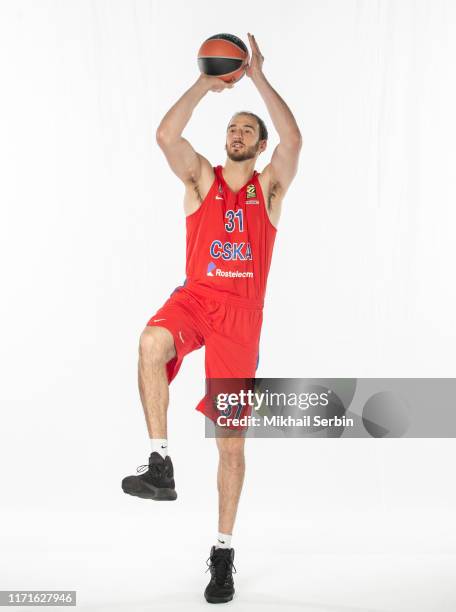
182, 158
279, 173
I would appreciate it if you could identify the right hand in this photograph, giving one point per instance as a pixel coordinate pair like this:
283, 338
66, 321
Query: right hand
215, 84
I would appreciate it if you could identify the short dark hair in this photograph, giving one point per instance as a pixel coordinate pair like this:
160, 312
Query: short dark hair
261, 123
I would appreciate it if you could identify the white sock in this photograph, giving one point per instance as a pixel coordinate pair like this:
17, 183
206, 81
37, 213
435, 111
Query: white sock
223, 540
159, 445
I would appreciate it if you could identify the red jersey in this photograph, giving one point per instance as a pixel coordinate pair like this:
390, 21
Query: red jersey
230, 240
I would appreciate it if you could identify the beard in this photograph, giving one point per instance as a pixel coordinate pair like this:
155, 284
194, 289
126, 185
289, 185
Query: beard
243, 153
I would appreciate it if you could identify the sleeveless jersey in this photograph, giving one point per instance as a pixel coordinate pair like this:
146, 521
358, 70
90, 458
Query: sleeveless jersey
230, 240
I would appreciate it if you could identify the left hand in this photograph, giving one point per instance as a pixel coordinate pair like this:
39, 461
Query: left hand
255, 67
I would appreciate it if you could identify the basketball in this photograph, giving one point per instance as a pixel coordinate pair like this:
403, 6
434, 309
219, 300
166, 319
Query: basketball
224, 56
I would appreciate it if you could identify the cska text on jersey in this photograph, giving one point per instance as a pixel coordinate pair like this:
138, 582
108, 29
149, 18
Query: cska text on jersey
231, 251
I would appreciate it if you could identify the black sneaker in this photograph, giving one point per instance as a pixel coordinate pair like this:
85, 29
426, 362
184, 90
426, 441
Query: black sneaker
156, 483
221, 587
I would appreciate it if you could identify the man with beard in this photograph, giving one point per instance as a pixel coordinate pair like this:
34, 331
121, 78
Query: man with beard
232, 214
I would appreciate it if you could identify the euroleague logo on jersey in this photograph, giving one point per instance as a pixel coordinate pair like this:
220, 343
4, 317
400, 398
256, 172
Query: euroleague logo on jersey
251, 194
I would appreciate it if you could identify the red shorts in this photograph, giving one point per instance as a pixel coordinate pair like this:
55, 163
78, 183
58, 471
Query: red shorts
229, 329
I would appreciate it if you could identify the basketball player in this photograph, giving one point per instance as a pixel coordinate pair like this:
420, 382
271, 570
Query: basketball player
232, 213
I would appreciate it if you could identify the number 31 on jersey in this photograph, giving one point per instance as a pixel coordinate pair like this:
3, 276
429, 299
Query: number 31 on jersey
230, 225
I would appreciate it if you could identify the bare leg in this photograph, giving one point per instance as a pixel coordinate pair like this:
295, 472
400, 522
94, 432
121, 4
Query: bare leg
156, 348
230, 478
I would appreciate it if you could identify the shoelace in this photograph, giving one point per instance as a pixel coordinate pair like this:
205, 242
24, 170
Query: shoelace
221, 567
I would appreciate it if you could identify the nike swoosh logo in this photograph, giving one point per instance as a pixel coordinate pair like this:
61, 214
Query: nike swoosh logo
157, 320
164, 447
218, 198
221, 541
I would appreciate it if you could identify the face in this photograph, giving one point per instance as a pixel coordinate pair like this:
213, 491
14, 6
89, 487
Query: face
243, 138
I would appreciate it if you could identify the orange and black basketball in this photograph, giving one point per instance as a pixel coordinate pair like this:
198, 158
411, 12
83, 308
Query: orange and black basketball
224, 56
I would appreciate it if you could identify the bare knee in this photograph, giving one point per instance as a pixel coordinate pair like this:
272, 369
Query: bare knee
156, 345
231, 452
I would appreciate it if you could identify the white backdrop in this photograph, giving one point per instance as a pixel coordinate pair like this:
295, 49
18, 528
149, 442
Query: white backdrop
93, 242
